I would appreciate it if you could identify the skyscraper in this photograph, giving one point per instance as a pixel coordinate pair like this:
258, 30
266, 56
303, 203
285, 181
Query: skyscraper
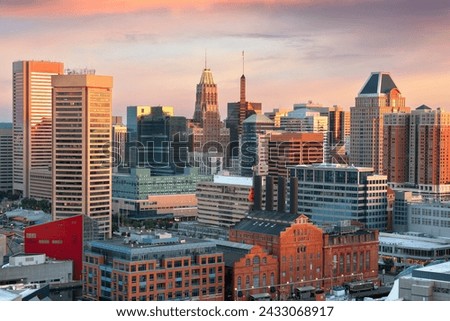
338, 134
81, 164
206, 99
209, 135
254, 156
32, 119
237, 113
429, 150
6, 157
119, 140
378, 96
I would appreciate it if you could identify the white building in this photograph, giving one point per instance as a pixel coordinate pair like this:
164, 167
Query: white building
333, 193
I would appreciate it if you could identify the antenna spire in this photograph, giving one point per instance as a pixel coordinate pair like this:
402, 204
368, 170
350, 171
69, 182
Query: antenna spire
206, 59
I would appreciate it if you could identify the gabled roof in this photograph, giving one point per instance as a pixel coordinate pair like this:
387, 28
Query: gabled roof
378, 83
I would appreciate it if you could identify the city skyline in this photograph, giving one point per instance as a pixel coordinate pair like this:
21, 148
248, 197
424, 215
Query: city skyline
295, 51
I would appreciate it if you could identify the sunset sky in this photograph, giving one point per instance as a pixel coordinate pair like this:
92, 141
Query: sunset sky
295, 51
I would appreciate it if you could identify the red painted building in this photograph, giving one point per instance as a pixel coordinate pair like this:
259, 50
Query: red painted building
61, 240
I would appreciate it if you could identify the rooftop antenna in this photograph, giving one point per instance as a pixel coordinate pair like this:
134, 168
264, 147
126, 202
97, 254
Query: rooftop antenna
206, 59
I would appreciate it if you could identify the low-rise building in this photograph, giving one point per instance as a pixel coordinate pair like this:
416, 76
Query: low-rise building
224, 201
35, 268
429, 283
399, 251
153, 267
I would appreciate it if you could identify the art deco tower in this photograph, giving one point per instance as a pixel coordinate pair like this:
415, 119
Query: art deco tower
32, 119
206, 97
81, 165
378, 96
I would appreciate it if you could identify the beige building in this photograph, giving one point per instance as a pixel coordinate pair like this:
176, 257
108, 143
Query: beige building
82, 106
378, 96
225, 201
6, 157
32, 119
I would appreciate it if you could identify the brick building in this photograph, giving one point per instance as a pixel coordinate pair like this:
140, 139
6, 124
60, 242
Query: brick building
308, 256
153, 267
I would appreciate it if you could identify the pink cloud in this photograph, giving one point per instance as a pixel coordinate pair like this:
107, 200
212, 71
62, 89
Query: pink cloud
21, 8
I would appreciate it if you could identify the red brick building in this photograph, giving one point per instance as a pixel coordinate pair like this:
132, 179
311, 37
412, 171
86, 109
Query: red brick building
153, 268
308, 256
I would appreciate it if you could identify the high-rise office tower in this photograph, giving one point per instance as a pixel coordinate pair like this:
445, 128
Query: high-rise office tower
338, 134
237, 113
134, 116
254, 156
429, 150
119, 140
291, 148
163, 143
378, 96
6, 157
206, 97
81, 162
209, 136
395, 149
32, 119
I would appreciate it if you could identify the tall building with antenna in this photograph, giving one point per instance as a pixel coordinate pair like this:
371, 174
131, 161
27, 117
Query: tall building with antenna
237, 112
209, 135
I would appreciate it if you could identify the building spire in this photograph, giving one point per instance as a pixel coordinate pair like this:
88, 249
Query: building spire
206, 59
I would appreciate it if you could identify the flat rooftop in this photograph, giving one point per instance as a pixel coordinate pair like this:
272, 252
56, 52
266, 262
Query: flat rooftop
413, 242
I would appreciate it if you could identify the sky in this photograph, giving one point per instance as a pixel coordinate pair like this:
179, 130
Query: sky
295, 51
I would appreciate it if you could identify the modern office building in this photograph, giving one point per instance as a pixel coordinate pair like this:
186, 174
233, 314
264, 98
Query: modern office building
254, 155
334, 192
293, 148
224, 201
276, 114
81, 166
6, 157
396, 148
311, 120
378, 96
41, 183
420, 214
32, 119
429, 150
338, 134
163, 143
119, 140
137, 193
153, 267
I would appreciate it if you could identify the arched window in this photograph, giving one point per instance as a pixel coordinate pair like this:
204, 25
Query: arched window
264, 281
256, 260
239, 282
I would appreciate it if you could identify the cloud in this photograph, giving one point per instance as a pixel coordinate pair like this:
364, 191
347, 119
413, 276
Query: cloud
47, 8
